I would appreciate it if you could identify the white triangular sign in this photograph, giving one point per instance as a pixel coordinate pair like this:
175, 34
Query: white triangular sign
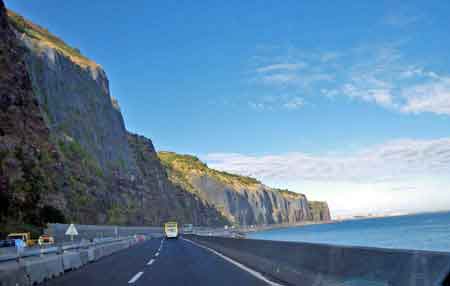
71, 230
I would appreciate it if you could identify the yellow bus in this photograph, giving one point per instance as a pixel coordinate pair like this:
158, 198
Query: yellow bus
171, 229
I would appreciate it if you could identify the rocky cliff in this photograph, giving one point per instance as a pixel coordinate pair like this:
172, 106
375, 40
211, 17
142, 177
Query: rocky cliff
65, 154
319, 211
242, 200
29, 162
74, 96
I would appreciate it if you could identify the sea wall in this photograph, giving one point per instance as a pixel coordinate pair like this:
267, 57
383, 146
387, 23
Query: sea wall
329, 265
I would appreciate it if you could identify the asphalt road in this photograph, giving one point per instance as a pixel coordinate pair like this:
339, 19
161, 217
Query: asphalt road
171, 262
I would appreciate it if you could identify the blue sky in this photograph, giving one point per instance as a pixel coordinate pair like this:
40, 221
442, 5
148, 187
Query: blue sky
266, 88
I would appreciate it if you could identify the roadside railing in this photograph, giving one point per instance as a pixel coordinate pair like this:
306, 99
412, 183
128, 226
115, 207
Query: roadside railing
58, 231
57, 249
230, 232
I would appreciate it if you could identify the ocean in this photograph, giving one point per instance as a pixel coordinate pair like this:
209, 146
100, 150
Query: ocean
430, 231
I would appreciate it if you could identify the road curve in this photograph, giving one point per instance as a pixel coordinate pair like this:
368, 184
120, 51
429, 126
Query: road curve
156, 262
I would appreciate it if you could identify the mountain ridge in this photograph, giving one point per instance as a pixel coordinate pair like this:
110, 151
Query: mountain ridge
86, 167
258, 203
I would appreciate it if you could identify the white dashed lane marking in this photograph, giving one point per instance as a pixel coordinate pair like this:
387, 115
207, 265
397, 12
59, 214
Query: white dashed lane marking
135, 277
151, 262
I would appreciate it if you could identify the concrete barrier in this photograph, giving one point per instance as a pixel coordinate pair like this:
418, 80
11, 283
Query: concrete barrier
13, 274
71, 260
84, 256
39, 269
91, 255
319, 264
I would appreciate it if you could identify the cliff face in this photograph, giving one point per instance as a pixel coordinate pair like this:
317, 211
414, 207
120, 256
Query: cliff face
64, 144
242, 200
163, 200
74, 95
65, 153
26, 154
319, 211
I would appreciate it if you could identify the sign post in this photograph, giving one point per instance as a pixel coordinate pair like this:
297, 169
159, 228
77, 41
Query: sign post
71, 230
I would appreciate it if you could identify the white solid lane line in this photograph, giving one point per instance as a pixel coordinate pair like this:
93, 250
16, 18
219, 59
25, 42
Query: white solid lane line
151, 262
135, 277
243, 267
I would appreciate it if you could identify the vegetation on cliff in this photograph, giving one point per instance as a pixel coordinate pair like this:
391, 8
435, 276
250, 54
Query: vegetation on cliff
59, 159
29, 162
180, 165
68, 168
289, 194
243, 200
45, 37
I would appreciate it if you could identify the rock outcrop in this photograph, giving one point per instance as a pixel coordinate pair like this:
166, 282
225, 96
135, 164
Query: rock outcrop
64, 145
319, 211
65, 153
242, 200
74, 95
27, 156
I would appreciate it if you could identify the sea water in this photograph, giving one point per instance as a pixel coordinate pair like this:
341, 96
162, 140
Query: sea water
429, 231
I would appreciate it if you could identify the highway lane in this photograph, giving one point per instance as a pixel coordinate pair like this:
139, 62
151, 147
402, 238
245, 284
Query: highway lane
182, 263
115, 269
171, 262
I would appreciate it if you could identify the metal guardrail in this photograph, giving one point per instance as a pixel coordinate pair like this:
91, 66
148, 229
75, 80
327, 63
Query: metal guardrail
29, 252
219, 232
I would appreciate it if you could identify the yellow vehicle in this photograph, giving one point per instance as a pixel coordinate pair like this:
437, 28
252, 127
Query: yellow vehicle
25, 236
171, 229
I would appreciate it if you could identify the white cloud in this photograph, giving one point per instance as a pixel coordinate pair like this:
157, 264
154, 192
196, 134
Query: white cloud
383, 79
404, 167
329, 56
257, 105
280, 78
374, 73
281, 67
297, 80
429, 97
379, 95
401, 19
390, 161
294, 103
282, 101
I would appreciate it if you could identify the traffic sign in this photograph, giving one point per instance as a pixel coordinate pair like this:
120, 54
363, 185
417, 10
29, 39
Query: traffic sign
71, 230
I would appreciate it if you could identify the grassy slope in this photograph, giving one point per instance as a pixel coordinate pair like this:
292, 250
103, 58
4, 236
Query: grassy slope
45, 37
181, 166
